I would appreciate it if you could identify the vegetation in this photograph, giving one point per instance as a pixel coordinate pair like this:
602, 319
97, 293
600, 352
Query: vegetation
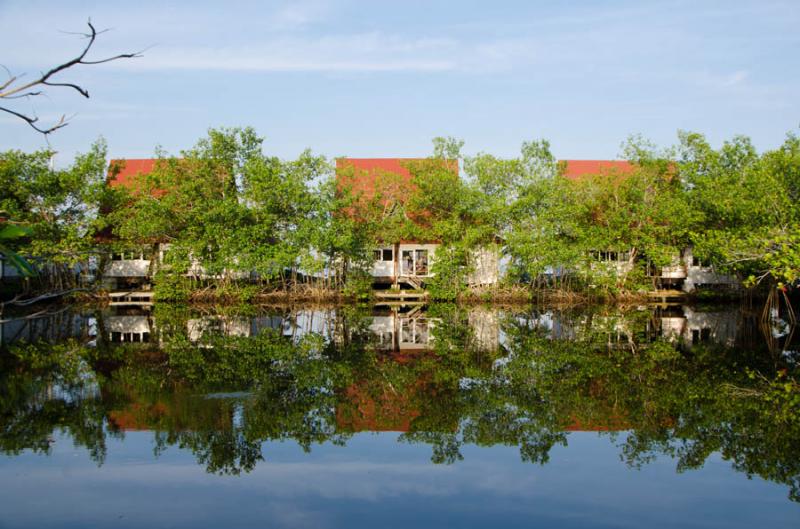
50, 215
233, 222
596, 370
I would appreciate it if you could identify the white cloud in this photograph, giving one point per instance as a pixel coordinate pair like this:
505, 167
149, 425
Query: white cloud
357, 53
721, 81
349, 479
736, 78
362, 52
300, 14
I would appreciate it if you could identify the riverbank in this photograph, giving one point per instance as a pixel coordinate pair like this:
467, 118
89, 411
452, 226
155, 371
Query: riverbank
494, 295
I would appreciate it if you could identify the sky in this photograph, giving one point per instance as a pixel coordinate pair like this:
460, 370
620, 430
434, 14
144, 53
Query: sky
381, 79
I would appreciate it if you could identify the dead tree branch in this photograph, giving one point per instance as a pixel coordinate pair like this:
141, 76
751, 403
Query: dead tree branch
14, 88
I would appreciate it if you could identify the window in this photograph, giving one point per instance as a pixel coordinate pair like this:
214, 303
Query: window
408, 262
610, 256
386, 339
415, 262
421, 262
414, 331
126, 256
385, 254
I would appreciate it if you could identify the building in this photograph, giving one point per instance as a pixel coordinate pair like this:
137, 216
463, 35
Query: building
685, 272
382, 187
130, 268
135, 266
386, 184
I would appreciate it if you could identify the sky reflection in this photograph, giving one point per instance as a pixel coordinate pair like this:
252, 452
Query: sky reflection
377, 482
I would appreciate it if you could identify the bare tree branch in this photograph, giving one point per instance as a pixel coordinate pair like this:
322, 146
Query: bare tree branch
81, 91
11, 79
28, 94
32, 121
11, 90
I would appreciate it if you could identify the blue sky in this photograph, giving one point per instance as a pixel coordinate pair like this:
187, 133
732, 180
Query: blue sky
373, 78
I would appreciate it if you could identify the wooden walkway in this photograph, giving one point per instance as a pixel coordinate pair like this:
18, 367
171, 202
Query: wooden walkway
130, 298
400, 295
666, 296
397, 297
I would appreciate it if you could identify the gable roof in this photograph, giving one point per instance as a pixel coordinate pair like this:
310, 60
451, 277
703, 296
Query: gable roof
366, 169
363, 174
122, 172
575, 169
374, 165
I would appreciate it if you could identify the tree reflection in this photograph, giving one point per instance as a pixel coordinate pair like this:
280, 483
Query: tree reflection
222, 384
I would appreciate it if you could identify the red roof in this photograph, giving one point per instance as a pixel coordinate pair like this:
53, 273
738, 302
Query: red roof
388, 177
122, 172
608, 424
575, 169
367, 172
376, 165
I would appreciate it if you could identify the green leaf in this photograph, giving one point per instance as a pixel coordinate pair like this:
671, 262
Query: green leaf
18, 262
14, 231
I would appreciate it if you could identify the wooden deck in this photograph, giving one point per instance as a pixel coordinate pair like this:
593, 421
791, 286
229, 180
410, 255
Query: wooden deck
397, 296
130, 298
400, 295
666, 296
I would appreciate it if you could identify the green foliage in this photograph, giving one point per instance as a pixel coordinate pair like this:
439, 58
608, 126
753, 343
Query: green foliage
9, 235
448, 270
747, 206
607, 372
171, 287
224, 212
224, 208
57, 208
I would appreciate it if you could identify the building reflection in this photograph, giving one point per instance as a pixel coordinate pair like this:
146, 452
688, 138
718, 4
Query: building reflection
677, 324
221, 382
402, 331
128, 328
396, 329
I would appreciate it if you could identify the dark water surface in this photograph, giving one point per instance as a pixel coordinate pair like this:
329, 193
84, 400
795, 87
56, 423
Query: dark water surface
167, 416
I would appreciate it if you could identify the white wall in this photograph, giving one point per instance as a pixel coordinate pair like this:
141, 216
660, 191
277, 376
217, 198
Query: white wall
412, 247
486, 266
128, 268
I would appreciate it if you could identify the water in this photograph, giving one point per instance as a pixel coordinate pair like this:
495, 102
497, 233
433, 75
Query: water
471, 417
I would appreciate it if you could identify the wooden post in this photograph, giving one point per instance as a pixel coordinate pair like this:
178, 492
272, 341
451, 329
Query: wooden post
396, 258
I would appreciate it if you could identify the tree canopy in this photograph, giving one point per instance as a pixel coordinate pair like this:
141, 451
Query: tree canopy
227, 208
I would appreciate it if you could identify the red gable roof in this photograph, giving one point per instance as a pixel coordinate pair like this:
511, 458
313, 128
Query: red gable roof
122, 172
367, 172
376, 165
575, 169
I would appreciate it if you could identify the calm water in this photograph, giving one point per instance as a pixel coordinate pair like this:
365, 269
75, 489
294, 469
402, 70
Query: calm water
167, 416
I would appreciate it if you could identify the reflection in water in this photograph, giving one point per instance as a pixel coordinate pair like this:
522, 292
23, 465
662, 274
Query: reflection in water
683, 382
